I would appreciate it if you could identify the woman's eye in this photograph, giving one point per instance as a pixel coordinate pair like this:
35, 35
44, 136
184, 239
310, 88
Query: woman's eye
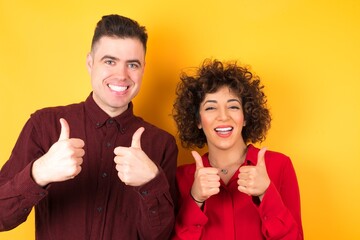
209, 108
234, 107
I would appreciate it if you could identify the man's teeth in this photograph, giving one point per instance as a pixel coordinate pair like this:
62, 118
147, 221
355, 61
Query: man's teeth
117, 88
227, 129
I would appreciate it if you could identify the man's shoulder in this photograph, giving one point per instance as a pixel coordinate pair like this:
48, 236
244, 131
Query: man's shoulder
56, 111
48, 117
152, 129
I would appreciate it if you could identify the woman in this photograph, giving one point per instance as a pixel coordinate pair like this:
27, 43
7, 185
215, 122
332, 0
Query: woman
235, 190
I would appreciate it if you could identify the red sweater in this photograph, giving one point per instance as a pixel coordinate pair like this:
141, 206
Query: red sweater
234, 215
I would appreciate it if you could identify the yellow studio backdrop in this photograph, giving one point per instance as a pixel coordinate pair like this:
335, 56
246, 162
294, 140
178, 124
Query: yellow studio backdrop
306, 52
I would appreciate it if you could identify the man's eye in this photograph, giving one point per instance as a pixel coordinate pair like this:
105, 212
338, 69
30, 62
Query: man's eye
133, 65
109, 62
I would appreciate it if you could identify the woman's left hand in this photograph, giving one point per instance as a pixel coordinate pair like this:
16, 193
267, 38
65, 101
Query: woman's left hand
254, 180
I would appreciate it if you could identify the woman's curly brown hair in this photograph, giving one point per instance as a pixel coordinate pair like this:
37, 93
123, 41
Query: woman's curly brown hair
210, 77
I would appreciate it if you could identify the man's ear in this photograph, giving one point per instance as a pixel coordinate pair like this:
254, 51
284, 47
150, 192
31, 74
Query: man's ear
89, 62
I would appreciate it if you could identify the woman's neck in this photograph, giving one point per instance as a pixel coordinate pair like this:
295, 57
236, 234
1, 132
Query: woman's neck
224, 159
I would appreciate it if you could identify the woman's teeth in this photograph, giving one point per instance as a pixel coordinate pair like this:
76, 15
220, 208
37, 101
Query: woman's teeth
227, 129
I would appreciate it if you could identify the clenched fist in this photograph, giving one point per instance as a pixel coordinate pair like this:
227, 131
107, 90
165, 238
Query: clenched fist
134, 167
63, 160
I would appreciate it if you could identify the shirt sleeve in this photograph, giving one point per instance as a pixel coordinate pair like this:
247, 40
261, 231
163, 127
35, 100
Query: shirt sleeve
190, 219
18, 191
280, 208
156, 220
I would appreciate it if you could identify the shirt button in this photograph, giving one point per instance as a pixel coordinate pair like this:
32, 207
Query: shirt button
108, 144
122, 130
98, 124
99, 209
144, 193
111, 121
104, 175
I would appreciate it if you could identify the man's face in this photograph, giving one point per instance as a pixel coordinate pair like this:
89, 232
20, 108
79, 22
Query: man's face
116, 67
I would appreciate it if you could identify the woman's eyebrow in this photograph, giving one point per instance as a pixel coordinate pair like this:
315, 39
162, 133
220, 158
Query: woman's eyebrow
209, 101
234, 100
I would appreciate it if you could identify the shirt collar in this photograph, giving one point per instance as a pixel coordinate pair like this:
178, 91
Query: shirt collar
251, 156
99, 117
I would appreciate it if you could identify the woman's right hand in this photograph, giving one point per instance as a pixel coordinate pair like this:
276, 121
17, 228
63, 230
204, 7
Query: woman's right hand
206, 181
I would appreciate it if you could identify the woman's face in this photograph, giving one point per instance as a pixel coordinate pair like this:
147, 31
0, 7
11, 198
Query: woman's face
222, 119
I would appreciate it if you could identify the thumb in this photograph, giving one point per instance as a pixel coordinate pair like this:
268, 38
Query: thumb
136, 143
261, 157
65, 130
198, 159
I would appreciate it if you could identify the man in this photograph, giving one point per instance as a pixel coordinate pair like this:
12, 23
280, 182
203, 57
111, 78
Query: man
93, 170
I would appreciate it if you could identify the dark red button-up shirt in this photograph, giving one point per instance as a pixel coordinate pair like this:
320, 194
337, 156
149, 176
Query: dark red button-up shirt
95, 204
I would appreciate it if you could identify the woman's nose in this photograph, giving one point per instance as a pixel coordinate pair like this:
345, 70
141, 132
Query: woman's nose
223, 114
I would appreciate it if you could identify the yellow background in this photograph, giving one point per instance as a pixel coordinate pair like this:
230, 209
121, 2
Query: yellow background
306, 52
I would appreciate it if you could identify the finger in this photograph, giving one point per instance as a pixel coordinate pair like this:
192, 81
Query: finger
261, 157
79, 161
65, 130
198, 159
135, 143
243, 176
214, 191
208, 171
241, 182
119, 160
213, 178
243, 189
245, 169
79, 152
77, 143
118, 150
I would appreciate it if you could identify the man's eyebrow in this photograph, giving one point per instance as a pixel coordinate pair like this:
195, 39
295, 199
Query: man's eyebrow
117, 59
134, 61
109, 57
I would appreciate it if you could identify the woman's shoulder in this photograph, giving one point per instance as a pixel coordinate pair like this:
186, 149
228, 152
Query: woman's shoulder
270, 155
186, 169
189, 167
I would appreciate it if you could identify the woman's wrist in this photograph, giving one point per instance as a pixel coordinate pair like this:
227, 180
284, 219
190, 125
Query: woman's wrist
197, 201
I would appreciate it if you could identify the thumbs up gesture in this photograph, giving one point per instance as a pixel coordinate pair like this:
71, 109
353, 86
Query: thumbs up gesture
206, 181
63, 160
134, 167
254, 180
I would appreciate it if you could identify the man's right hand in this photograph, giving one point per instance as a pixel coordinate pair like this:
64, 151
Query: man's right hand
63, 160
